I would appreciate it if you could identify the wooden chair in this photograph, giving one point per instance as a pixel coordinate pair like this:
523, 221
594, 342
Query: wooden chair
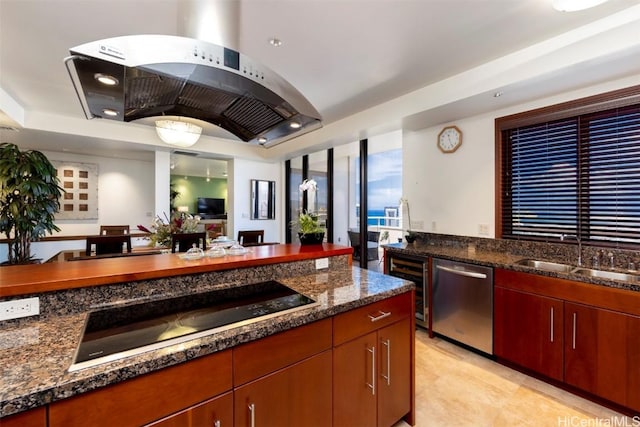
251, 237
182, 242
109, 244
111, 230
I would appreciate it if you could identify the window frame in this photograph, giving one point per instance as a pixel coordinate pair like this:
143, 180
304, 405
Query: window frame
591, 104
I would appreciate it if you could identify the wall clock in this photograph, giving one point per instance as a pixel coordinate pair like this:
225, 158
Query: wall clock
449, 139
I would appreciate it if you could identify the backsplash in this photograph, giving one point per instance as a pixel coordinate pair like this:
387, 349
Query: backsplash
559, 252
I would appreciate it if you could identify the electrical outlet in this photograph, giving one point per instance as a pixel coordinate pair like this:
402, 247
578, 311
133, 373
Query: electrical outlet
483, 229
433, 226
417, 225
18, 308
322, 263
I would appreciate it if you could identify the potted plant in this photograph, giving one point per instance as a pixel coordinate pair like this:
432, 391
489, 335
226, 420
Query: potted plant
29, 194
309, 230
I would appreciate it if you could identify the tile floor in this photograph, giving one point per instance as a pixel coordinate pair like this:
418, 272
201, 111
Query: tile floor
456, 387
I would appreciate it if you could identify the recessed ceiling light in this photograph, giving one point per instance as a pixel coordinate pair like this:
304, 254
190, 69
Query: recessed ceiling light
295, 125
106, 79
574, 5
262, 140
109, 112
497, 94
276, 42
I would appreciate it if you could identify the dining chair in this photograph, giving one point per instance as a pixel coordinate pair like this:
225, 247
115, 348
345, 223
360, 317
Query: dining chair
182, 242
251, 237
108, 244
110, 230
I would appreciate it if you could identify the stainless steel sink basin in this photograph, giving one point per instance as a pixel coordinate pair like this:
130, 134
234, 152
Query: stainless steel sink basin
546, 265
613, 275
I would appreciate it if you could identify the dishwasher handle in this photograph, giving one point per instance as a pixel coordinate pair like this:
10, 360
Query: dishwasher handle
462, 272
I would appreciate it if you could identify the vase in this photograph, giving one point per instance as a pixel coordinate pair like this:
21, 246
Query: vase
311, 238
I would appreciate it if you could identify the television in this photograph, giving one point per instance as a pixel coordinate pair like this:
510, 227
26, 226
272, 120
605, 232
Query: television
209, 207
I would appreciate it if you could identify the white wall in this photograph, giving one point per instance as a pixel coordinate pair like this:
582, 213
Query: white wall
241, 172
126, 191
454, 193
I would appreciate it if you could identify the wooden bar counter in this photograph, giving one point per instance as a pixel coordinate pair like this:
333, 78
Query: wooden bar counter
31, 279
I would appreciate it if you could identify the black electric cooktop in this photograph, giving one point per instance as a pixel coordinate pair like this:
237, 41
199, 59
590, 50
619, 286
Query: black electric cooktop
118, 332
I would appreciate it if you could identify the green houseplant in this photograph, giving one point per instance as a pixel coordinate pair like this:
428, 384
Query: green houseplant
309, 230
29, 194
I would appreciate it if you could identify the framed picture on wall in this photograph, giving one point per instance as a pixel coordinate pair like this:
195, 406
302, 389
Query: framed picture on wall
263, 199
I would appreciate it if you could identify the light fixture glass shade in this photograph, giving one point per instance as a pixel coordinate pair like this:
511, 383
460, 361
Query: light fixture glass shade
575, 5
180, 134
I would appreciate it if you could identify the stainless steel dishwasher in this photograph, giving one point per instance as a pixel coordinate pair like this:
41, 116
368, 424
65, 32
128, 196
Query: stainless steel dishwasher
463, 303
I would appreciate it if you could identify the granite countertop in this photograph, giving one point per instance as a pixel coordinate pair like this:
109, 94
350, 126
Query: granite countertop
501, 259
36, 354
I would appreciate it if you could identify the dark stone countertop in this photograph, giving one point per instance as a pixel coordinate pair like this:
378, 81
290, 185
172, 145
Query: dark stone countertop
500, 259
36, 354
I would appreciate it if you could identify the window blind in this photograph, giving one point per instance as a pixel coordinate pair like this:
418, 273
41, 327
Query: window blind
578, 175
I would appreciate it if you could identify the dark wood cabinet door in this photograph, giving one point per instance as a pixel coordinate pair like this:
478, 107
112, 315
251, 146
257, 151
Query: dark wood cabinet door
354, 375
602, 353
33, 418
299, 395
528, 331
216, 412
394, 372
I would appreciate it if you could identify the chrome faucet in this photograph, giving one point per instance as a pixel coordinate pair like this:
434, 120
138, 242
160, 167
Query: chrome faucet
574, 236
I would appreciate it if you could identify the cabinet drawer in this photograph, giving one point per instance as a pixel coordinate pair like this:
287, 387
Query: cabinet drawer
146, 398
258, 358
363, 320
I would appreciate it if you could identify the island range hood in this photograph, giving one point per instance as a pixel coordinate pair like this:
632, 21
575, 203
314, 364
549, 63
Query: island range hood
133, 77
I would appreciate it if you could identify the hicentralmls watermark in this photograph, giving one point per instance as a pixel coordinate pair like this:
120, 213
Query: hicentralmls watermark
620, 421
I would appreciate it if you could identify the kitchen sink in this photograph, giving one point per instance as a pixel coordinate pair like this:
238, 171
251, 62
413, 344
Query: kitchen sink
546, 265
613, 275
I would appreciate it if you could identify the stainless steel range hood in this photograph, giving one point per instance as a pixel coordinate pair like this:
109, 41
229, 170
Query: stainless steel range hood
158, 75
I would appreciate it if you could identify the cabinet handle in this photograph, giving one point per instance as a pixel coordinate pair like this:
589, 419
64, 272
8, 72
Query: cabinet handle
371, 385
216, 423
387, 343
382, 315
252, 413
575, 321
551, 324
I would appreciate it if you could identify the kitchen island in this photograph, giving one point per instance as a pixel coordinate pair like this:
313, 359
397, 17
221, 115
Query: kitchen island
38, 351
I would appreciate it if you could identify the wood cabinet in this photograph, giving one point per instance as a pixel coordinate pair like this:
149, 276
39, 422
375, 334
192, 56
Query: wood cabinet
571, 332
33, 418
372, 364
602, 353
285, 379
146, 398
216, 412
528, 331
299, 395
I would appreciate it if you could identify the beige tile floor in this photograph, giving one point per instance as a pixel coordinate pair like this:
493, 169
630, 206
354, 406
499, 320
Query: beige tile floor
456, 387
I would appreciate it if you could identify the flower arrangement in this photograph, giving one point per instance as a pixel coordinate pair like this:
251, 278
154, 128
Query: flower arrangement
161, 231
307, 222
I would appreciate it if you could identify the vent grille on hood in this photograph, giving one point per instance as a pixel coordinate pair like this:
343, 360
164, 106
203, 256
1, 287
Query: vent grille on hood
177, 76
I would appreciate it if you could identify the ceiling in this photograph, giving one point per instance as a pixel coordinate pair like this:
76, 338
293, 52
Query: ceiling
366, 65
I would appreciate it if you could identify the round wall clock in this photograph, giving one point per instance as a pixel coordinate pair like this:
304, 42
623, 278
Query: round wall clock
449, 139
